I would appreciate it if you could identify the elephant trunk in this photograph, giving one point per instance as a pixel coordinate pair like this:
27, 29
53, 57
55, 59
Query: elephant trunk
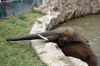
34, 36
28, 37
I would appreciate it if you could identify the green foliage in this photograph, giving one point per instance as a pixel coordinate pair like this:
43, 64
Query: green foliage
22, 16
18, 53
12, 20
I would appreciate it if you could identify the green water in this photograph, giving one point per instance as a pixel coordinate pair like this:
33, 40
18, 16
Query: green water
89, 27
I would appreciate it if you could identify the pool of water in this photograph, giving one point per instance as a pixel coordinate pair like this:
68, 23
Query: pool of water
89, 27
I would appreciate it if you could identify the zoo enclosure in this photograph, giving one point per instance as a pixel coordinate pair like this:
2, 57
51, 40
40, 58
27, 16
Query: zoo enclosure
13, 7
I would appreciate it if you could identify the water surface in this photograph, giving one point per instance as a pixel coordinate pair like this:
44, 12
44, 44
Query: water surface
89, 27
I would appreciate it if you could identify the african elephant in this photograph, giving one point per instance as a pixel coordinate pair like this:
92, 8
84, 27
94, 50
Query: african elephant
70, 42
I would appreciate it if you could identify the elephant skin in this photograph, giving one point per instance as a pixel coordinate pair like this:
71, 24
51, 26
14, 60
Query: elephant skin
70, 42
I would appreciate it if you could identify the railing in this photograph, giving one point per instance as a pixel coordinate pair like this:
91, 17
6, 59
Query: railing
13, 7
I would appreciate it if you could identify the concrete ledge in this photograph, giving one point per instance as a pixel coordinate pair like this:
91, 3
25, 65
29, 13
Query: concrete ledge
49, 53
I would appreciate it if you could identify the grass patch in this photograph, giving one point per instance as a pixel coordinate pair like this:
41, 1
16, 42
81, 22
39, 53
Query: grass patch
22, 16
18, 53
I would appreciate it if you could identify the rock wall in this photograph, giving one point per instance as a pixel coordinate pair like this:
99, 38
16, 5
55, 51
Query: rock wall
73, 8
77, 8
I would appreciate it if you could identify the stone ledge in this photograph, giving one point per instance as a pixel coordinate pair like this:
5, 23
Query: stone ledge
49, 53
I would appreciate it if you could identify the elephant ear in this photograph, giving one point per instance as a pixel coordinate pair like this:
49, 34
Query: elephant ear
81, 39
78, 37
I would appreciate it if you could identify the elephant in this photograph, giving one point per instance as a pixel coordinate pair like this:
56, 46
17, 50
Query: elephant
69, 41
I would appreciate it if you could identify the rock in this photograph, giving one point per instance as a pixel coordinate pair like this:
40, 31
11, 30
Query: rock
74, 8
78, 8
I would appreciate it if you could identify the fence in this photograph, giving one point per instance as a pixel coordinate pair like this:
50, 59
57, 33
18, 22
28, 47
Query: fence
13, 7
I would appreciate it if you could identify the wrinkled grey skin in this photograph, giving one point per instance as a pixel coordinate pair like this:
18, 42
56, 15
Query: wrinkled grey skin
71, 43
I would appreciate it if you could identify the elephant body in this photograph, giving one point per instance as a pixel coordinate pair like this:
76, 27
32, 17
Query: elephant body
70, 42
